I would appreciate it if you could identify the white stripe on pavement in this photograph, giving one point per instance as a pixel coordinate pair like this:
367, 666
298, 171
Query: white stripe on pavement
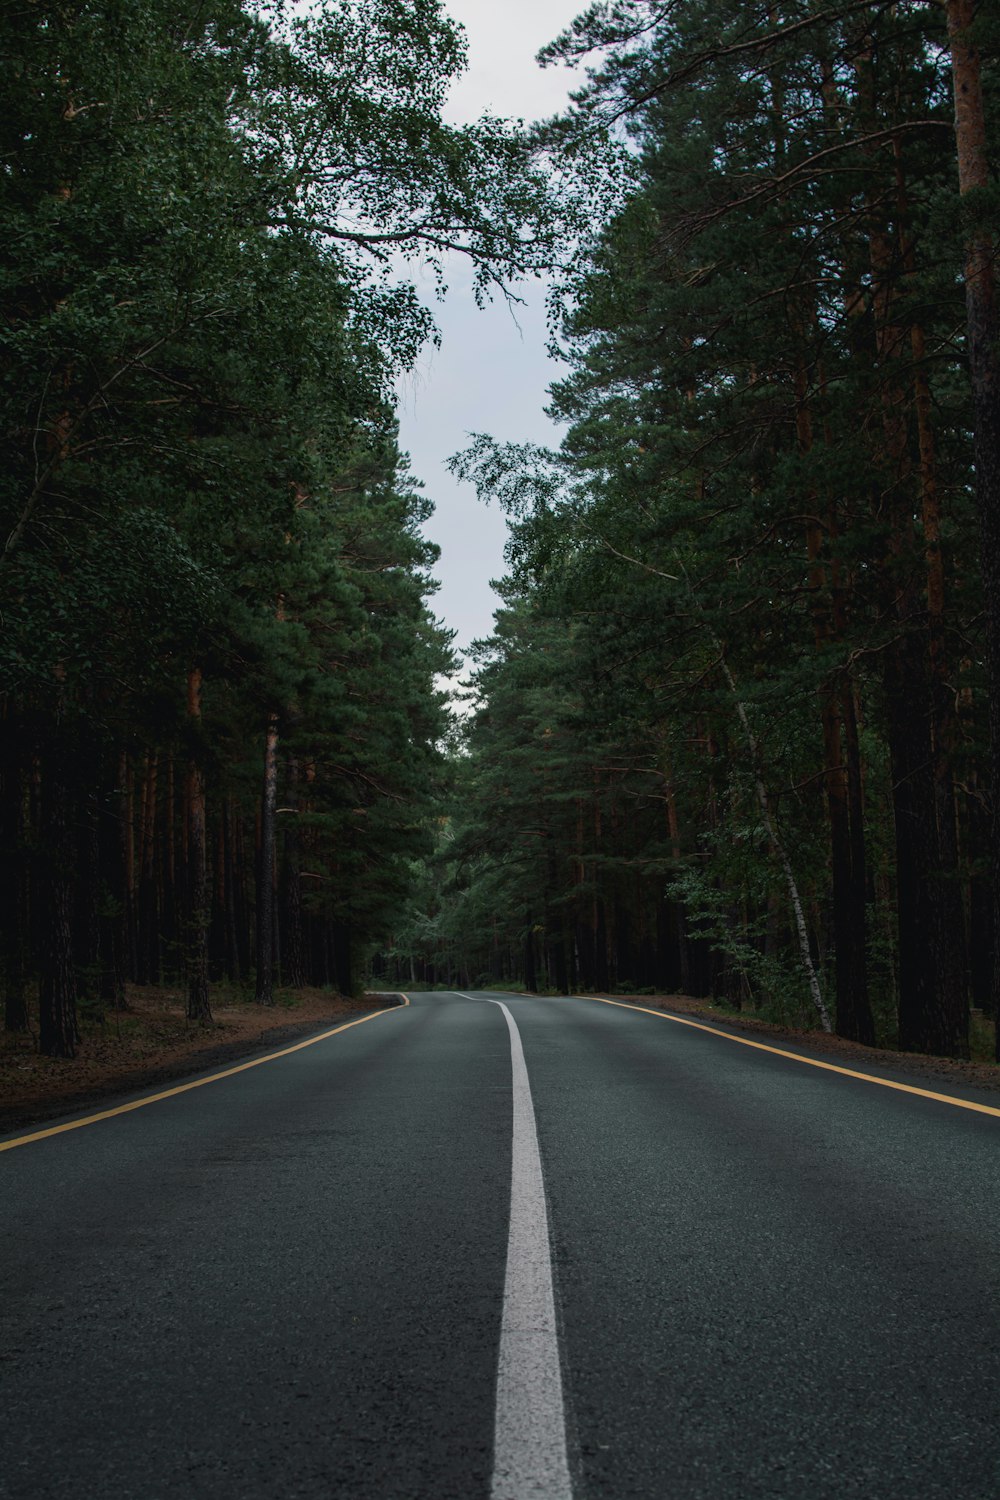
529, 1453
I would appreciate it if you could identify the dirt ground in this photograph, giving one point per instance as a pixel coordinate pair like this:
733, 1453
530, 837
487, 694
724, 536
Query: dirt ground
153, 1042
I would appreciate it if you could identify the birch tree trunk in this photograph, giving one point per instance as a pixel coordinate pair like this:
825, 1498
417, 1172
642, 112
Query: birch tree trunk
795, 900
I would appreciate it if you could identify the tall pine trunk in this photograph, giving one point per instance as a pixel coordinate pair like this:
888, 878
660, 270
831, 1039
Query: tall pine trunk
57, 992
12, 878
265, 868
933, 1008
113, 894
984, 371
528, 962
86, 895
148, 917
234, 955
196, 937
853, 1011
293, 971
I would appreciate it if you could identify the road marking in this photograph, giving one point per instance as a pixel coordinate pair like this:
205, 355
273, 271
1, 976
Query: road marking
197, 1083
529, 1448
812, 1062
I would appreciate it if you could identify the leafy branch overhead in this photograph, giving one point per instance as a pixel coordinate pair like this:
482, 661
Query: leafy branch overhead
349, 127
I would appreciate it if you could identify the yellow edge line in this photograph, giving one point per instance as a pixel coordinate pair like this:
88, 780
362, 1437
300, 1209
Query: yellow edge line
811, 1062
197, 1083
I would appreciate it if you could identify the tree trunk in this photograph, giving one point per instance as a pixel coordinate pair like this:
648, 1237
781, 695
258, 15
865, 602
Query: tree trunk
217, 944
57, 1030
148, 925
342, 947
196, 945
933, 1006
984, 372
12, 873
530, 972
943, 713
927, 1022
291, 884
264, 994
128, 855
234, 956
86, 918
791, 885
169, 921
980, 902
113, 898
854, 1018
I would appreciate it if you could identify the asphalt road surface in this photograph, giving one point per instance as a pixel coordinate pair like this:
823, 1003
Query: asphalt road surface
543, 1249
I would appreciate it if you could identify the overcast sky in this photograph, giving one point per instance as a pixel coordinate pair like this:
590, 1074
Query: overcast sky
489, 374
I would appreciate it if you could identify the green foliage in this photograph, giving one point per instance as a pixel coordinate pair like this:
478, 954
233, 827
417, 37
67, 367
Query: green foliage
693, 695
209, 211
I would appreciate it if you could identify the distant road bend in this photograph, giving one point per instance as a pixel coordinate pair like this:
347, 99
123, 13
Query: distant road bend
514, 1248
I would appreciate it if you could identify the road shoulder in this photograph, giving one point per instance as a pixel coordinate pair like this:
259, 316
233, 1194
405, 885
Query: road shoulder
34, 1089
914, 1067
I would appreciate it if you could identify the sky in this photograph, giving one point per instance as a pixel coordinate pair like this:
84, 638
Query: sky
491, 372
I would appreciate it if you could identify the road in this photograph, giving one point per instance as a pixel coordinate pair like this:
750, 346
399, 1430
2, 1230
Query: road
764, 1279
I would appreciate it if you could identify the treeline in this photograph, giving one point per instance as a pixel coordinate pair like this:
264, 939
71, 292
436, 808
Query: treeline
732, 734
219, 722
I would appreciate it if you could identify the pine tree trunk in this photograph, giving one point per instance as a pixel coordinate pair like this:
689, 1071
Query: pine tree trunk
343, 957
168, 872
530, 971
12, 879
196, 944
234, 956
241, 867
291, 884
984, 371
927, 1022
264, 994
148, 947
555, 936
128, 855
111, 863
933, 1006
854, 1014
57, 1030
675, 933
980, 901
854, 1018
86, 920
954, 954
860, 866
598, 917
217, 957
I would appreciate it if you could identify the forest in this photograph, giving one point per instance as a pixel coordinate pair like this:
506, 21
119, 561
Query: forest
737, 730
221, 732
737, 709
